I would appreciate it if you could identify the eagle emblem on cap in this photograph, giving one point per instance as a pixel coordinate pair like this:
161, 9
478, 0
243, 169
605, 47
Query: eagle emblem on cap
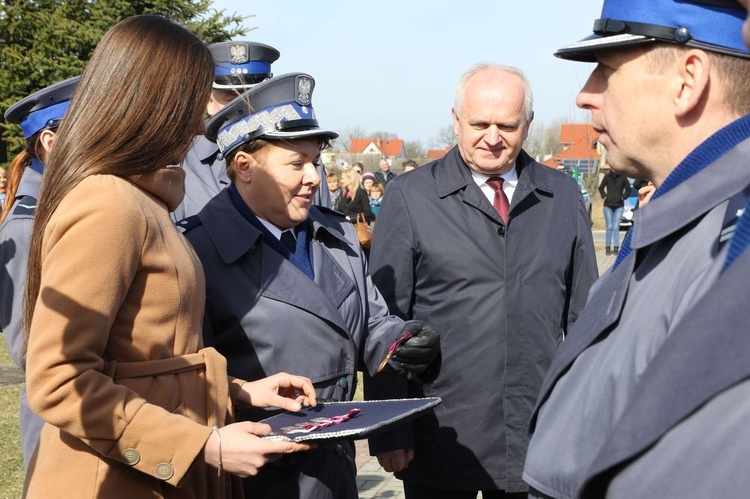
304, 90
238, 53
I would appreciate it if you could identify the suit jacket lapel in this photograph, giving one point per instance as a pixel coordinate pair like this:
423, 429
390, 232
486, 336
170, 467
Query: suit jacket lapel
284, 282
234, 237
330, 277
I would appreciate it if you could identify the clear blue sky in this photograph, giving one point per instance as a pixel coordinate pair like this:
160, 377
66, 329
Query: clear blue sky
392, 65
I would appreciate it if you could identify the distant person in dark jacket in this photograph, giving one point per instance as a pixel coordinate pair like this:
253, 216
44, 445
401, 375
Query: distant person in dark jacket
614, 189
385, 174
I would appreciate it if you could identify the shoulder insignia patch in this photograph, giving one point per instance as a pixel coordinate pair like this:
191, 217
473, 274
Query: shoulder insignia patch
188, 223
26, 205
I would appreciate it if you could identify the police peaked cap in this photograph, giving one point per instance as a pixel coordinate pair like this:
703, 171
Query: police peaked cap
278, 108
42, 109
713, 25
240, 65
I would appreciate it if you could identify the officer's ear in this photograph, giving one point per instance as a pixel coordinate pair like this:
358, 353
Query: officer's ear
692, 89
46, 139
244, 164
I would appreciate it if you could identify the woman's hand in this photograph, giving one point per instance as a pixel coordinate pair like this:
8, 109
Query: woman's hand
243, 452
281, 390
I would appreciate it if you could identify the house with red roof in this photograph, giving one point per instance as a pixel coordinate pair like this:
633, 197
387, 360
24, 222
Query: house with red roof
434, 154
389, 148
582, 151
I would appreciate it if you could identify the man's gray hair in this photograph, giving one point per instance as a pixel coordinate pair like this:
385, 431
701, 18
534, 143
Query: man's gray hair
458, 99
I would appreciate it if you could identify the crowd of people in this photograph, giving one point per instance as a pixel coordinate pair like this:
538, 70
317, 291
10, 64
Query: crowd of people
167, 280
355, 191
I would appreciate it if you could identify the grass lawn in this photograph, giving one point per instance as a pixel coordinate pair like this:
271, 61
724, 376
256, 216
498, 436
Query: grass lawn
11, 460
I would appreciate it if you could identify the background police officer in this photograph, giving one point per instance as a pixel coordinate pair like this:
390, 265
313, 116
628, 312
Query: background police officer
39, 115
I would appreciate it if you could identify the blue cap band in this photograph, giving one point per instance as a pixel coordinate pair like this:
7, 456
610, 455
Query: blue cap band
38, 120
252, 67
714, 25
264, 121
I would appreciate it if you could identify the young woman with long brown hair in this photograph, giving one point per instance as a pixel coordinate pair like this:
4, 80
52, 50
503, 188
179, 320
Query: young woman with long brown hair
134, 406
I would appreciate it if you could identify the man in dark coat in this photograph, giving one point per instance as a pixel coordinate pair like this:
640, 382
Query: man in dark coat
502, 287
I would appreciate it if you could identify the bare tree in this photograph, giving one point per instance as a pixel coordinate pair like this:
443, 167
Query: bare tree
414, 149
345, 137
543, 140
446, 137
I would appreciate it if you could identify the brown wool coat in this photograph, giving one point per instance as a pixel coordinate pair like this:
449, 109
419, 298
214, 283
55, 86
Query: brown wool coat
115, 364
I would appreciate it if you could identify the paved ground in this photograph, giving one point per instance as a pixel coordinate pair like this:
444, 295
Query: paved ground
372, 481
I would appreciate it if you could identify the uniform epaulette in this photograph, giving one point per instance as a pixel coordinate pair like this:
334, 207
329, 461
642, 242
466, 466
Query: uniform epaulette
188, 223
735, 207
326, 209
26, 206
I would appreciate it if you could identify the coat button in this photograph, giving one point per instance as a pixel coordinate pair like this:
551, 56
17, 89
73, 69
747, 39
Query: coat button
131, 456
339, 449
501, 230
164, 471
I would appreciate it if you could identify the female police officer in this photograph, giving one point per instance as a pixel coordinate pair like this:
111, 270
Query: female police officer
39, 116
287, 282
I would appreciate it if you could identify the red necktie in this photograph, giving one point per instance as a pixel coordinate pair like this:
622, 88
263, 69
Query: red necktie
501, 200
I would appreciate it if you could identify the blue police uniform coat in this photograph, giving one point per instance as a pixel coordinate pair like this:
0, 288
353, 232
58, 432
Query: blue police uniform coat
501, 297
686, 432
206, 176
265, 315
678, 242
15, 235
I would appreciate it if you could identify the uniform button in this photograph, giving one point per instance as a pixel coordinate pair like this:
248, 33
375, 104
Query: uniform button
164, 471
339, 449
131, 456
501, 230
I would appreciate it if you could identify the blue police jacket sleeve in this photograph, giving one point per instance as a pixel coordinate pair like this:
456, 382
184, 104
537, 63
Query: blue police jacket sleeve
15, 235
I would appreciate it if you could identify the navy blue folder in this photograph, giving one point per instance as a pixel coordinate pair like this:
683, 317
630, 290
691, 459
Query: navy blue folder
372, 416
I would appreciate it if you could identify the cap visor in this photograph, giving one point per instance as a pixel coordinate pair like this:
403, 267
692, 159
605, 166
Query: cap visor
219, 86
584, 50
300, 134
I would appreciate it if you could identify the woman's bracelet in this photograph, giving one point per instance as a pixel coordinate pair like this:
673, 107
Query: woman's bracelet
218, 435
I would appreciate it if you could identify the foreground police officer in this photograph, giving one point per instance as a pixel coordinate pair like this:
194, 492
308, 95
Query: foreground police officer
39, 115
237, 67
670, 96
287, 281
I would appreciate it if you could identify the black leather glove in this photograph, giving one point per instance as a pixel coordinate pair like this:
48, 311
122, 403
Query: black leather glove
420, 349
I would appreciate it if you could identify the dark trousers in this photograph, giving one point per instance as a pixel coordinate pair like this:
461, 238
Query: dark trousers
413, 491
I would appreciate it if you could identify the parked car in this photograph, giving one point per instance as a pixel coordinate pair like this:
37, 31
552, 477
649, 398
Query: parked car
586, 197
631, 204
